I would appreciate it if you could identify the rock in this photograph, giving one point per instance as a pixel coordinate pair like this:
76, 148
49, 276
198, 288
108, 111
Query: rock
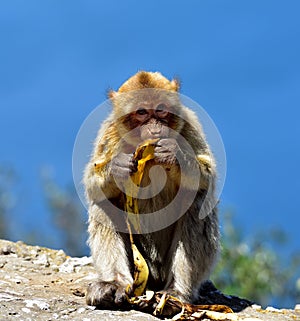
41, 304
41, 284
271, 309
7, 248
74, 264
42, 260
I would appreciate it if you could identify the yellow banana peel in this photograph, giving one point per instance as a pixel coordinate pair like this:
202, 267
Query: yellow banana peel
141, 272
143, 154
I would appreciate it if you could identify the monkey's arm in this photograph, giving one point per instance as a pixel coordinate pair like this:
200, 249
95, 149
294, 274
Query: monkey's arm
111, 260
197, 171
98, 182
197, 236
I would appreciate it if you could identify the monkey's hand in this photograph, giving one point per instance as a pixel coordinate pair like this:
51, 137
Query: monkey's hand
122, 166
166, 151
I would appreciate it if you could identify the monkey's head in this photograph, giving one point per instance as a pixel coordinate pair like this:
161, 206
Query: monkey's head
147, 106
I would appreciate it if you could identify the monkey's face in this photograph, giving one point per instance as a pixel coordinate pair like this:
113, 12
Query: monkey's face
148, 114
151, 121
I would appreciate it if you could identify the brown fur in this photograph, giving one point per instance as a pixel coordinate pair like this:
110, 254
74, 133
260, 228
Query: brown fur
145, 79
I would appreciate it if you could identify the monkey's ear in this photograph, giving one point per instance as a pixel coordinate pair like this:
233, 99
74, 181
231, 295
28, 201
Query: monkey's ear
111, 94
175, 84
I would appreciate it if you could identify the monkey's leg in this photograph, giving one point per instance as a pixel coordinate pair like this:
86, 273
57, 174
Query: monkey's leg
110, 261
195, 255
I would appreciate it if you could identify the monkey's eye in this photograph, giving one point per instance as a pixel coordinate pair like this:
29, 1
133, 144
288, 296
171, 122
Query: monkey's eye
142, 111
161, 111
141, 114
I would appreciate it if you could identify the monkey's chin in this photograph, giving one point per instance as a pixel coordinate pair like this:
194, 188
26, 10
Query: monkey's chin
153, 137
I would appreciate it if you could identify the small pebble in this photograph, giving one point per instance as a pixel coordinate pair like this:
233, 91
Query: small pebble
80, 310
271, 309
39, 303
42, 260
7, 297
18, 279
26, 310
297, 307
68, 311
66, 267
7, 249
2, 263
71, 263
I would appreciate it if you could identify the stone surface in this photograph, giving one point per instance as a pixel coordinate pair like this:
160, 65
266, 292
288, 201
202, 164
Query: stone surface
42, 284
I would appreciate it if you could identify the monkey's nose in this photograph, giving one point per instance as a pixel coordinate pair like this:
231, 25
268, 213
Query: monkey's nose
156, 133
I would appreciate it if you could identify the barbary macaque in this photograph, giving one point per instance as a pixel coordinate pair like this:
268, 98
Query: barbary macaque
180, 254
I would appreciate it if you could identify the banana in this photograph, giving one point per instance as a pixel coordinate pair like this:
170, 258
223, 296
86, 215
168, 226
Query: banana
141, 272
143, 154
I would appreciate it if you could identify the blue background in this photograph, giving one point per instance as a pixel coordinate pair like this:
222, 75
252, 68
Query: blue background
238, 59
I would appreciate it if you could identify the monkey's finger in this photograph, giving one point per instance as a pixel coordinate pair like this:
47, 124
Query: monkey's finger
167, 145
164, 151
120, 297
165, 158
166, 142
161, 150
133, 166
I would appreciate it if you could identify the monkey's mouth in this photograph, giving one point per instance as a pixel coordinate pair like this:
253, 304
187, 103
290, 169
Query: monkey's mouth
155, 136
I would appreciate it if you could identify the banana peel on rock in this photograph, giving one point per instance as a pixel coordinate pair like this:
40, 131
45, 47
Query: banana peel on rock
163, 305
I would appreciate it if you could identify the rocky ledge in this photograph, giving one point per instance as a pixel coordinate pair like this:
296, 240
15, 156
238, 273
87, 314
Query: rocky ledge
42, 284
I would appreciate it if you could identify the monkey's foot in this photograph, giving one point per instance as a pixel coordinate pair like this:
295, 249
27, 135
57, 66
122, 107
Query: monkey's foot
106, 295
